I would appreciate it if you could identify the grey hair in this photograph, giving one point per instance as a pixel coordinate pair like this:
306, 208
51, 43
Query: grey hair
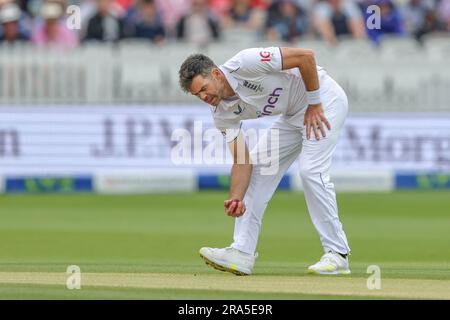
194, 65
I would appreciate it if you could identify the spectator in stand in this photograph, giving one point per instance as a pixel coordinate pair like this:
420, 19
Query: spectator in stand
9, 18
199, 26
32, 7
23, 5
430, 24
105, 25
444, 13
243, 13
413, 13
391, 22
171, 12
124, 5
52, 32
220, 8
262, 4
285, 21
336, 18
144, 21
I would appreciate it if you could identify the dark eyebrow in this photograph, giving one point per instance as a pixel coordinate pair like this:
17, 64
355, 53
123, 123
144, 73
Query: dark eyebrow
201, 89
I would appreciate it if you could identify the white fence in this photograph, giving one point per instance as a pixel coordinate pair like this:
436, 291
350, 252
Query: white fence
399, 76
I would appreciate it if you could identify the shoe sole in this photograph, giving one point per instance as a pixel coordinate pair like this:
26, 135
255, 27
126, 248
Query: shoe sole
339, 272
222, 268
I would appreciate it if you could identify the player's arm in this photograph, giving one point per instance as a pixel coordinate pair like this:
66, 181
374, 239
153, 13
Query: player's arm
305, 61
241, 172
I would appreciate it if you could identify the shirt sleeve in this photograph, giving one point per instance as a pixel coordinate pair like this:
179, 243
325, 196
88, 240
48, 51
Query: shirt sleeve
230, 130
257, 61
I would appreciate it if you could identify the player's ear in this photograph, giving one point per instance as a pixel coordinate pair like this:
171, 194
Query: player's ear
215, 72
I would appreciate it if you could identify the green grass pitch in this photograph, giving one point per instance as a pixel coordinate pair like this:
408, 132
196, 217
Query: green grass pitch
146, 247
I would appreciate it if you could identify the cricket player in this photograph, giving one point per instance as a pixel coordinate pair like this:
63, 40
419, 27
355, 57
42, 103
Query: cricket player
312, 108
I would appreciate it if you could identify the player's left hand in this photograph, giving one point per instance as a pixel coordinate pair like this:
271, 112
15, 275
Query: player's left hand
234, 207
314, 119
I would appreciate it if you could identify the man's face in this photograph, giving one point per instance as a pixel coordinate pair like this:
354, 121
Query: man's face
336, 4
209, 89
385, 9
104, 6
199, 6
148, 10
52, 28
10, 30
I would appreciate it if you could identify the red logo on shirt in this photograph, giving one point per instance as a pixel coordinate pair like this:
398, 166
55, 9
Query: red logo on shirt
265, 55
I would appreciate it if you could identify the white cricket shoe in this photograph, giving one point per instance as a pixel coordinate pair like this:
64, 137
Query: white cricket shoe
229, 259
330, 263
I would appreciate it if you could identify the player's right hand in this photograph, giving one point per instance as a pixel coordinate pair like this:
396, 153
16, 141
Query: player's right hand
314, 120
234, 207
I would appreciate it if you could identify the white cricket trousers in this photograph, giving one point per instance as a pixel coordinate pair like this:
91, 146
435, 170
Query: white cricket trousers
314, 166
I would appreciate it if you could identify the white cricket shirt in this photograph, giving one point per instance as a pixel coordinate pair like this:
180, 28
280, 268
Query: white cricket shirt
262, 88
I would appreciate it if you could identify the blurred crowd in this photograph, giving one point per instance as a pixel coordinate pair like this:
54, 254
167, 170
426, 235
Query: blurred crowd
50, 23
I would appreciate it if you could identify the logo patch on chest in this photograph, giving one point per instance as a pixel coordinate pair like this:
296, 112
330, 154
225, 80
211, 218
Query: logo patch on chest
239, 110
253, 86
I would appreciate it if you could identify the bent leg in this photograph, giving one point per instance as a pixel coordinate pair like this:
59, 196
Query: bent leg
315, 162
263, 184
